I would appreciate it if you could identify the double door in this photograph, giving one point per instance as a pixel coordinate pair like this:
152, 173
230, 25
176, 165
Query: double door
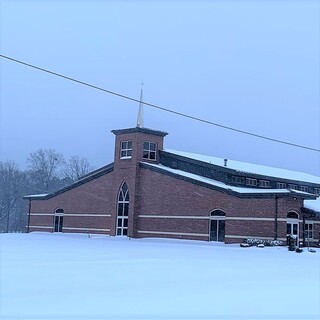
217, 230
292, 228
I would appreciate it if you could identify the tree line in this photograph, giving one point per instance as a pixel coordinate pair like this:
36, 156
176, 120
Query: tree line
47, 171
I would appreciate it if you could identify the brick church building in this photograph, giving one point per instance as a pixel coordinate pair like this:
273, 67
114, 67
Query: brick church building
149, 191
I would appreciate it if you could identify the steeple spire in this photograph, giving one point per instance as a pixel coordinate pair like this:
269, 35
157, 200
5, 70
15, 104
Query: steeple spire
140, 113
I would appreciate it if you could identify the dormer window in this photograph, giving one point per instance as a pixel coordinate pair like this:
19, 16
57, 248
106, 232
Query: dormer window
149, 150
126, 150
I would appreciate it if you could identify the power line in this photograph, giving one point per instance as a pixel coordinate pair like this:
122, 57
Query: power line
160, 108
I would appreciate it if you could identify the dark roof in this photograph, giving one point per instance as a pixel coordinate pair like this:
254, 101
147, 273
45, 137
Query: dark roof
220, 172
142, 130
267, 193
84, 179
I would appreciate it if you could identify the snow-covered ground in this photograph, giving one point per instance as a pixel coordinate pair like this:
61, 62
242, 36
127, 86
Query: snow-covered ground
64, 276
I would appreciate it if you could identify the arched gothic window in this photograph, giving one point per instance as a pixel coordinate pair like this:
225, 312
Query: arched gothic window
123, 210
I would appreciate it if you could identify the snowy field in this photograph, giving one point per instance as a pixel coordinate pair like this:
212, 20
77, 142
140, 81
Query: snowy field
64, 276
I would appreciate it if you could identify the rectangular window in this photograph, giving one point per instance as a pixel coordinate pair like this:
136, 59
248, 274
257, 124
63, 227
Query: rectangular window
126, 150
251, 182
237, 180
292, 186
295, 229
264, 183
149, 150
304, 188
281, 185
308, 230
317, 191
288, 228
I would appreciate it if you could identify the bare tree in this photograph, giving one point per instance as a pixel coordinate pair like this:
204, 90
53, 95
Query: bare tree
12, 186
44, 164
76, 167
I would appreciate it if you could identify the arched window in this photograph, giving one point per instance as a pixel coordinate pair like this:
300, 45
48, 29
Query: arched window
123, 210
58, 220
292, 223
292, 215
217, 213
217, 225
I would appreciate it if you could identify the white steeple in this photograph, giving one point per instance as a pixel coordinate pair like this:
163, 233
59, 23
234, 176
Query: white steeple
140, 113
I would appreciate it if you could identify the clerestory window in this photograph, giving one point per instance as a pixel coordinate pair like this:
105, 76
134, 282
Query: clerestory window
251, 182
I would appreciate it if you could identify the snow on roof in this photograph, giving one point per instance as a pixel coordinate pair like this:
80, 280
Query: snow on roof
251, 168
312, 204
221, 184
40, 195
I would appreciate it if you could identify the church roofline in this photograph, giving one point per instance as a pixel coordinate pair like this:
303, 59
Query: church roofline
84, 179
139, 129
252, 170
222, 187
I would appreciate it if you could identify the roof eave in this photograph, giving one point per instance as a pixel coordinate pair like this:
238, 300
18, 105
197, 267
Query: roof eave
88, 177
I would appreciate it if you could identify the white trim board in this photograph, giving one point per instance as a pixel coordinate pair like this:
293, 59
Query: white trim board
253, 237
86, 229
173, 217
212, 218
41, 227
72, 214
175, 233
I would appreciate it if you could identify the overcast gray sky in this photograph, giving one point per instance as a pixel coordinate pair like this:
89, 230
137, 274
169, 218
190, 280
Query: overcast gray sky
252, 65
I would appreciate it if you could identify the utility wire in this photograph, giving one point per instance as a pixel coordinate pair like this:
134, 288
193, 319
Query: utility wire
161, 108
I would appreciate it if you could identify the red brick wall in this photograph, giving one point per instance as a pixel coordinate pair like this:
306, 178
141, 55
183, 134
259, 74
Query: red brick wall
137, 138
128, 170
164, 195
93, 197
156, 194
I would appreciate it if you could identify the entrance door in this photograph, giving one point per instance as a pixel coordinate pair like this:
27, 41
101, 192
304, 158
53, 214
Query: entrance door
292, 228
217, 225
217, 230
292, 224
58, 220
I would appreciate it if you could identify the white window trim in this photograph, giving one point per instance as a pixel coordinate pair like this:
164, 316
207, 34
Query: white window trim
281, 185
312, 230
122, 217
251, 182
264, 183
149, 151
125, 149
